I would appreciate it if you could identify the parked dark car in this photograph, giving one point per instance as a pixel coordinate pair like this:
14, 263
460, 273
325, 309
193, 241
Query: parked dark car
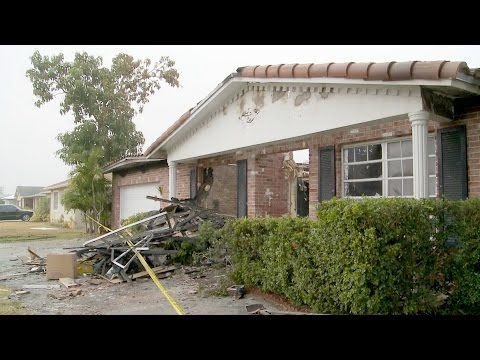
13, 212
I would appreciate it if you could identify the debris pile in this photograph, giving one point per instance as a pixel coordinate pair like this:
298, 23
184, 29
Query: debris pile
112, 256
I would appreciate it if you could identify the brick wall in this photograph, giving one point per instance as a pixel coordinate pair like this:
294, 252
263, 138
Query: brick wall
183, 180
268, 186
370, 132
155, 173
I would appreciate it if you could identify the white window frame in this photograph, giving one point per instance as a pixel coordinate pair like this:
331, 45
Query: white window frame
384, 162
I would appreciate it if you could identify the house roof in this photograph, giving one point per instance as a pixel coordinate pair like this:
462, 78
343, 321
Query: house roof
370, 71
129, 162
59, 185
27, 190
40, 194
388, 71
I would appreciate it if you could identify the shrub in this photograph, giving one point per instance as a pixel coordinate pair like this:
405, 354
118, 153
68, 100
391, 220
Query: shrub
369, 256
42, 212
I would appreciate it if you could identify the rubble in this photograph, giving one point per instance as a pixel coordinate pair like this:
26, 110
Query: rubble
156, 238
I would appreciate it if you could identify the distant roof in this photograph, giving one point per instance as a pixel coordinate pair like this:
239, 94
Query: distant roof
59, 185
27, 190
8, 197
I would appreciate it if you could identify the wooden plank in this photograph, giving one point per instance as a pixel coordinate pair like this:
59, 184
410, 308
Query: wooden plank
68, 282
156, 270
46, 287
13, 275
33, 254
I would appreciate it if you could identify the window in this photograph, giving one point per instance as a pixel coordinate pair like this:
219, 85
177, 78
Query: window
384, 169
55, 200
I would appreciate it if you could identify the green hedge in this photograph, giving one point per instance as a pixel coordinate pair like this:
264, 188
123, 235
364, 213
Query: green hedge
373, 256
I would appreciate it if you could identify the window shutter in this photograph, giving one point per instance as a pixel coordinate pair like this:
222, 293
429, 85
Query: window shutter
326, 173
452, 163
242, 188
193, 183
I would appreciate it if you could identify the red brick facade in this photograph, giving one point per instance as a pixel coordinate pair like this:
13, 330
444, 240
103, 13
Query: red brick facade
266, 183
149, 174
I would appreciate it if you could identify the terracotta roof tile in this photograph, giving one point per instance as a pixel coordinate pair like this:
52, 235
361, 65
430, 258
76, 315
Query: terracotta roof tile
261, 71
388, 71
401, 71
358, 70
339, 69
451, 69
272, 70
286, 71
248, 71
379, 71
301, 70
319, 70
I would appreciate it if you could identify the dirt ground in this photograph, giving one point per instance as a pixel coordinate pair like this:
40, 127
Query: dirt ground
98, 296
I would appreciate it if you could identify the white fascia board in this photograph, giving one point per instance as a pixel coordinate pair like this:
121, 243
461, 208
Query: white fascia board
233, 83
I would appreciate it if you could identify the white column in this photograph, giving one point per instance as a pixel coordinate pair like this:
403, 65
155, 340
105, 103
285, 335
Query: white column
419, 123
172, 179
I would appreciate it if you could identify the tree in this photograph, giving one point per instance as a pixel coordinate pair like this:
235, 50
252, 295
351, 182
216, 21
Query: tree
89, 191
102, 100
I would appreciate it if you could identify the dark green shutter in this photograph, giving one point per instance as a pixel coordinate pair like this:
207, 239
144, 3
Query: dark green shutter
452, 163
242, 188
193, 183
326, 173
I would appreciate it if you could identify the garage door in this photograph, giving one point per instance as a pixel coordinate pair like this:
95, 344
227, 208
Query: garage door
133, 200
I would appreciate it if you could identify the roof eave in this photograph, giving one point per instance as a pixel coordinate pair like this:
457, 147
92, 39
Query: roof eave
119, 165
151, 151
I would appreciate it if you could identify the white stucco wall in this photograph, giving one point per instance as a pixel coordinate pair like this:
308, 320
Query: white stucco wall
74, 219
261, 115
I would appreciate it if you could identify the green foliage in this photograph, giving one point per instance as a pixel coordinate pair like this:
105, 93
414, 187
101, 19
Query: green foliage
373, 256
102, 100
42, 212
463, 272
137, 217
89, 191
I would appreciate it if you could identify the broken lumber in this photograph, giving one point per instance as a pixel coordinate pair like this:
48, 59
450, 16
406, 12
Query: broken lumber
156, 270
68, 282
33, 254
41, 286
12, 276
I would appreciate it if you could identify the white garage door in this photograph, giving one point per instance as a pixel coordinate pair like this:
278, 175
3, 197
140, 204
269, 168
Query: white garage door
133, 199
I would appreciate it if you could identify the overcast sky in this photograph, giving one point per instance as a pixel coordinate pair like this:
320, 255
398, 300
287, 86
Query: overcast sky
27, 133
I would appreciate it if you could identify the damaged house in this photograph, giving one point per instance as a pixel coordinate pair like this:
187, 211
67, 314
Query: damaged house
409, 129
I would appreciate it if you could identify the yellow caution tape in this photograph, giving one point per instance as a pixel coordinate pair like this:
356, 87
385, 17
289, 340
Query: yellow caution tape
150, 272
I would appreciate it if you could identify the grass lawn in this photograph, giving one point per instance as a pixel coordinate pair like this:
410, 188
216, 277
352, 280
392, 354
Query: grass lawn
26, 231
7, 306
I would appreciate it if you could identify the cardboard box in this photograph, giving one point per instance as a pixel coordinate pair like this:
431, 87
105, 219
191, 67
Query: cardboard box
61, 265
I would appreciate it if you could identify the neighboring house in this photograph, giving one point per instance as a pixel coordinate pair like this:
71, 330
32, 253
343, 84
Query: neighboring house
73, 218
9, 200
408, 129
27, 197
133, 178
